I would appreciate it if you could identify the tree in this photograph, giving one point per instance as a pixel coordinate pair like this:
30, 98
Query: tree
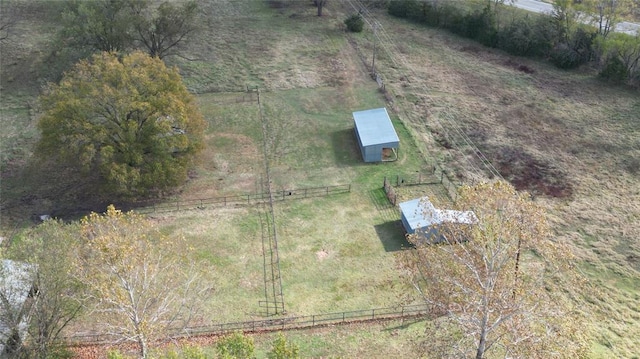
625, 48
489, 283
137, 293
606, 13
280, 349
320, 5
162, 31
129, 122
102, 25
566, 18
10, 14
47, 249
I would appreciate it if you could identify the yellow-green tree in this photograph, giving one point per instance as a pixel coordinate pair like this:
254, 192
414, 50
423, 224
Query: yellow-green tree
605, 13
127, 121
48, 250
495, 286
135, 291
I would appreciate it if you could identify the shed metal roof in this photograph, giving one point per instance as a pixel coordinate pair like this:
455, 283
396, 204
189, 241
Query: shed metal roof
375, 127
421, 213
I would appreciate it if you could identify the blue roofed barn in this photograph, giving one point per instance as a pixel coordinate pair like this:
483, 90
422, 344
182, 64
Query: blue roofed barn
377, 138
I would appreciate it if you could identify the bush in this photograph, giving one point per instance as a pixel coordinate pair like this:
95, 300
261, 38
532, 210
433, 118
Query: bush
354, 23
283, 350
236, 346
564, 57
614, 70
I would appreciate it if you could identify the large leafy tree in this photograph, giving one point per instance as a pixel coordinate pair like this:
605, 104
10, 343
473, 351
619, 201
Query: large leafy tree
129, 121
134, 289
489, 284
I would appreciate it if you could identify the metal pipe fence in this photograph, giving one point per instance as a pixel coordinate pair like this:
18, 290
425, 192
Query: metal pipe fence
285, 323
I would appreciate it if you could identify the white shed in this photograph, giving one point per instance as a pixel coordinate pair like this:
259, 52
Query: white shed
422, 217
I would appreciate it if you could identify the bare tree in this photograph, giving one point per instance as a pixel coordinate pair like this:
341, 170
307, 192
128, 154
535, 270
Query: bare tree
162, 30
10, 14
136, 292
489, 282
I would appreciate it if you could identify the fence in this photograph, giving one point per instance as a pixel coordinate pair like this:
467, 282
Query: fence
420, 179
241, 199
288, 323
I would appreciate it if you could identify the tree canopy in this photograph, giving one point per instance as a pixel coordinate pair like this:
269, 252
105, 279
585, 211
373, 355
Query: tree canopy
119, 25
488, 282
128, 122
134, 289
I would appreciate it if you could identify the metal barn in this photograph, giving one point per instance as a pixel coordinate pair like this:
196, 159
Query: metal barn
377, 138
422, 217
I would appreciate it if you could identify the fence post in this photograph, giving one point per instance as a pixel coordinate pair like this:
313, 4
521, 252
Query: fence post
373, 313
225, 201
327, 190
313, 320
441, 176
177, 205
283, 195
305, 193
343, 317
397, 181
419, 178
384, 183
248, 199
349, 188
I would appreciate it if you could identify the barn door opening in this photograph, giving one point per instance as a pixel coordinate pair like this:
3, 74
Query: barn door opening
389, 154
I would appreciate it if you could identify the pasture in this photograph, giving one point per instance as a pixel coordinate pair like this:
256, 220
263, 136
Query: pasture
571, 140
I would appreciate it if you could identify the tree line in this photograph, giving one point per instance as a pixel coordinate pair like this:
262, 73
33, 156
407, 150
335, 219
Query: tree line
562, 37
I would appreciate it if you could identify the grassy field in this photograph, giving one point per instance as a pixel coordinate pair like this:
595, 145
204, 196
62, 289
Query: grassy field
568, 138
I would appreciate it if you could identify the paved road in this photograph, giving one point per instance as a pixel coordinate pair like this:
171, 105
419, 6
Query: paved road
543, 7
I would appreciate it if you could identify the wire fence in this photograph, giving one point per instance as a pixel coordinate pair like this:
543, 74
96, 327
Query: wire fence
242, 199
285, 323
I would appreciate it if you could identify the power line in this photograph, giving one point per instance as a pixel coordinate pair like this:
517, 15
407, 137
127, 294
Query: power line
445, 120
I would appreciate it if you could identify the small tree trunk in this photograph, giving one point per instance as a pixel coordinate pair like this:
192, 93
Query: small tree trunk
482, 343
142, 343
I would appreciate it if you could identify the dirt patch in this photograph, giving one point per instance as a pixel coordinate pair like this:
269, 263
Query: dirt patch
528, 173
322, 254
520, 67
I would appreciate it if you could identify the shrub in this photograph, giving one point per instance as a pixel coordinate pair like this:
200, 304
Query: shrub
283, 350
614, 70
564, 57
354, 23
235, 346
